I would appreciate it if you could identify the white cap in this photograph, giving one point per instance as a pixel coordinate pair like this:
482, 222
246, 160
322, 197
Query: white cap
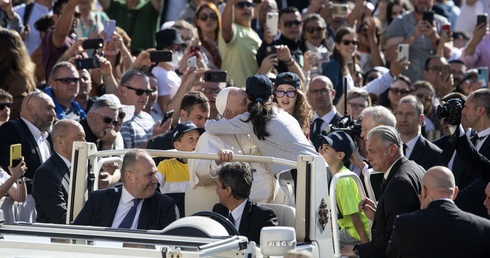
222, 99
129, 110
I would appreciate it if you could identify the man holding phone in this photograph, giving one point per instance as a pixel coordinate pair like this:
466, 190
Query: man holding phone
477, 52
423, 36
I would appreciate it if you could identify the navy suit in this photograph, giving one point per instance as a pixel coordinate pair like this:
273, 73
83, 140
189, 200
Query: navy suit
440, 230
50, 190
315, 139
426, 154
398, 194
254, 218
156, 213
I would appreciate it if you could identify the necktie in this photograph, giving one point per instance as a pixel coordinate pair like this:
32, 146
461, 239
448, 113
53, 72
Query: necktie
128, 220
405, 150
474, 139
230, 217
317, 125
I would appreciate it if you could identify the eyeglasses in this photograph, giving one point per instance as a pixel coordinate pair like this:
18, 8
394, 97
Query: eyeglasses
356, 106
139, 92
3, 105
67, 80
347, 42
241, 5
281, 93
398, 91
312, 30
204, 17
435, 69
321, 91
422, 97
288, 24
108, 120
210, 91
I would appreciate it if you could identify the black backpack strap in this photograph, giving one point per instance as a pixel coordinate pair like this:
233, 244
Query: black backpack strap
27, 13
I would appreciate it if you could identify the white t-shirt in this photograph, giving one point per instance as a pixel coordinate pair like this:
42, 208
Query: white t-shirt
168, 84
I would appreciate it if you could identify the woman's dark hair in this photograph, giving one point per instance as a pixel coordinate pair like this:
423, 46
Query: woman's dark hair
205, 43
260, 113
341, 32
389, 9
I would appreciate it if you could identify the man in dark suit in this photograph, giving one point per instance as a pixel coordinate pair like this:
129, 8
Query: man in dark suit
135, 205
440, 228
233, 186
321, 94
51, 182
409, 119
398, 193
32, 131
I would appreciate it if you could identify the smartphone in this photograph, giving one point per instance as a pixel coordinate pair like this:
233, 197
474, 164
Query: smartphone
483, 76
93, 43
161, 56
482, 18
339, 10
428, 16
167, 116
403, 51
87, 63
270, 50
109, 28
445, 70
194, 50
446, 30
15, 154
271, 22
191, 62
215, 76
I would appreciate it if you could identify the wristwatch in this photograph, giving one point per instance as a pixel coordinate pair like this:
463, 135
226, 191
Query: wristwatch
356, 250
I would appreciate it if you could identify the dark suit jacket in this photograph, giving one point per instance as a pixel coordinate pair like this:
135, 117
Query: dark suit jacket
441, 230
16, 131
50, 190
254, 218
398, 194
156, 213
426, 154
315, 138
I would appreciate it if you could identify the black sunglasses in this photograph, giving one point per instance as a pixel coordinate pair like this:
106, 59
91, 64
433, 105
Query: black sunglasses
67, 80
241, 5
139, 92
347, 42
288, 24
3, 105
312, 30
204, 17
281, 93
108, 120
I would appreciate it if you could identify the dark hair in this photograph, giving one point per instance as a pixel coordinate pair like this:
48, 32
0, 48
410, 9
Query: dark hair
193, 98
44, 23
389, 9
341, 32
58, 6
481, 98
427, 61
289, 9
130, 74
237, 176
206, 43
260, 113
5, 95
456, 61
404, 79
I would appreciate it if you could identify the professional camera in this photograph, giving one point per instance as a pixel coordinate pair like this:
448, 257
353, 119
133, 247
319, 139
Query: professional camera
346, 124
451, 111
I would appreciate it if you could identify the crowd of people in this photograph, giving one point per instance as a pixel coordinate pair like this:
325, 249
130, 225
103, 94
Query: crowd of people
142, 74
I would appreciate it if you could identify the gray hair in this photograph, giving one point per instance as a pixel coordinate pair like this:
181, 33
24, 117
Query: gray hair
387, 134
481, 98
102, 103
411, 99
130, 160
381, 115
130, 74
58, 66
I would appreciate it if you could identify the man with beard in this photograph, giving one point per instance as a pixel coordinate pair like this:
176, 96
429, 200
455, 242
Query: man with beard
135, 205
32, 131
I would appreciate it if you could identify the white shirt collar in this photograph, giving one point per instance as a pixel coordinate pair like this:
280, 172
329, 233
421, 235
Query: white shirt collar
38, 135
67, 161
410, 145
126, 196
328, 116
237, 213
387, 173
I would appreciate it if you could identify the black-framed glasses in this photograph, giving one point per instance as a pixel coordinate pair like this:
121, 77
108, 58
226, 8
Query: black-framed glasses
108, 120
399, 91
3, 105
139, 92
281, 93
67, 80
241, 5
312, 30
288, 24
347, 42
204, 17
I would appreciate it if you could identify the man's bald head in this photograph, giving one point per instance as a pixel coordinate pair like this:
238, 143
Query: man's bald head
438, 182
38, 109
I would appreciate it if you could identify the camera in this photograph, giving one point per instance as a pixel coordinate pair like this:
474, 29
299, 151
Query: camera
346, 124
451, 111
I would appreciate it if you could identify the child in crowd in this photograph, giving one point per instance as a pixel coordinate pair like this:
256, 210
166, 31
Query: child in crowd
173, 173
336, 149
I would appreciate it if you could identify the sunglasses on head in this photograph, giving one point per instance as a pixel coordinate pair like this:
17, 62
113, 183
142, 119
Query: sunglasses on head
281, 93
241, 5
108, 120
288, 24
204, 17
3, 105
313, 29
347, 42
67, 80
139, 92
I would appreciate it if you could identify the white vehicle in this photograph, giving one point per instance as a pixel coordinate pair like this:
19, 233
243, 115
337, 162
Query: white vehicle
308, 226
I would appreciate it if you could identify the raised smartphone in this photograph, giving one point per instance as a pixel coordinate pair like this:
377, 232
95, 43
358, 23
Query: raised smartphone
161, 56
271, 22
483, 76
191, 62
446, 30
109, 28
428, 16
15, 154
87, 63
93, 43
215, 76
167, 116
482, 18
403, 51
